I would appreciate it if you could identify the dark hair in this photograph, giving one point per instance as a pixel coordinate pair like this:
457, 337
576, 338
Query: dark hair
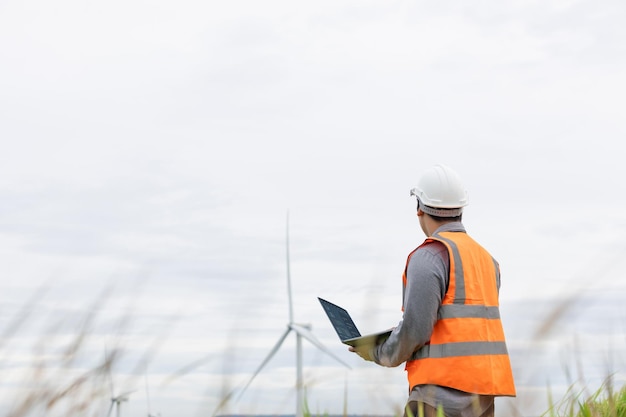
447, 219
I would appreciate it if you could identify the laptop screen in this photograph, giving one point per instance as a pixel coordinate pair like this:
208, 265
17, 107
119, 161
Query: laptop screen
341, 320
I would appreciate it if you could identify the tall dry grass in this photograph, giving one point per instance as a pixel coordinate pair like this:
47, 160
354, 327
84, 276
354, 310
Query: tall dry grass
65, 378
63, 375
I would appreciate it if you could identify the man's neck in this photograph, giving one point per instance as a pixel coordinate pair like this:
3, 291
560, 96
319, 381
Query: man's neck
433, 225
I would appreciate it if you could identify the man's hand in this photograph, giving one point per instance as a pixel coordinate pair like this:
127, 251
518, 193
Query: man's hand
364, 351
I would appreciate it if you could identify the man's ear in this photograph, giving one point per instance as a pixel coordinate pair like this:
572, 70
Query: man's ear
420, 212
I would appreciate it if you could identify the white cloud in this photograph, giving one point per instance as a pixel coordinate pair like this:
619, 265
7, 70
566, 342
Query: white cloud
157, 147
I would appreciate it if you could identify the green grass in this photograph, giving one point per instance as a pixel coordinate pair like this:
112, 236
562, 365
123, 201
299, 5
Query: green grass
604, 402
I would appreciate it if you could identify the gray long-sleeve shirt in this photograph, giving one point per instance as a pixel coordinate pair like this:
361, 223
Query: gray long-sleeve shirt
427, 282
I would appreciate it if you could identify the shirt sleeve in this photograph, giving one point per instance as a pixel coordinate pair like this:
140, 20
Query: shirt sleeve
427, 281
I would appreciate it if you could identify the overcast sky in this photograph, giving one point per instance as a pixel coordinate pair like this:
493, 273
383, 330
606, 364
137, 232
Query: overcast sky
154, 148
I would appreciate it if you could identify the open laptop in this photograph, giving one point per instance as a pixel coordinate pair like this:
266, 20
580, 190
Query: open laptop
346, 329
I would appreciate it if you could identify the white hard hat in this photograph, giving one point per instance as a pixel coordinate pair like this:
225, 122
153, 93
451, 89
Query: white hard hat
440, 192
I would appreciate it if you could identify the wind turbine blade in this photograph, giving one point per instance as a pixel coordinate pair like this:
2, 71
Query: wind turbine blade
124, 396
111, 408
304, 332
266, 360
289, 273
227, 398
145, 375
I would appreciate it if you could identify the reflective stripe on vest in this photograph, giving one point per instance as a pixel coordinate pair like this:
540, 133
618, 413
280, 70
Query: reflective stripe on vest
451, 311
461, 349
459, 295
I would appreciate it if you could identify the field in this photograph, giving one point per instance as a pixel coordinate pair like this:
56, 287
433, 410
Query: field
58, 384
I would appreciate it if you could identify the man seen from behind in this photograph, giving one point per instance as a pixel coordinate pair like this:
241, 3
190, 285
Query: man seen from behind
450, 335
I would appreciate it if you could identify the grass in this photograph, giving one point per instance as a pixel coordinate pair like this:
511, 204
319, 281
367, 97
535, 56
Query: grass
66, 376
54, 386
604, 402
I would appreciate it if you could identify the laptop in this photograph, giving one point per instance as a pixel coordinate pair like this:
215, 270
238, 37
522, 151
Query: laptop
347, 330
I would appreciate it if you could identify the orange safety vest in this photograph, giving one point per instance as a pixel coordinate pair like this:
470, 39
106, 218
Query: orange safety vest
467, 349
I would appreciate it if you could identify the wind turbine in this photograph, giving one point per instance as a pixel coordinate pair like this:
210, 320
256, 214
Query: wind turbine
301, 331
116, 400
